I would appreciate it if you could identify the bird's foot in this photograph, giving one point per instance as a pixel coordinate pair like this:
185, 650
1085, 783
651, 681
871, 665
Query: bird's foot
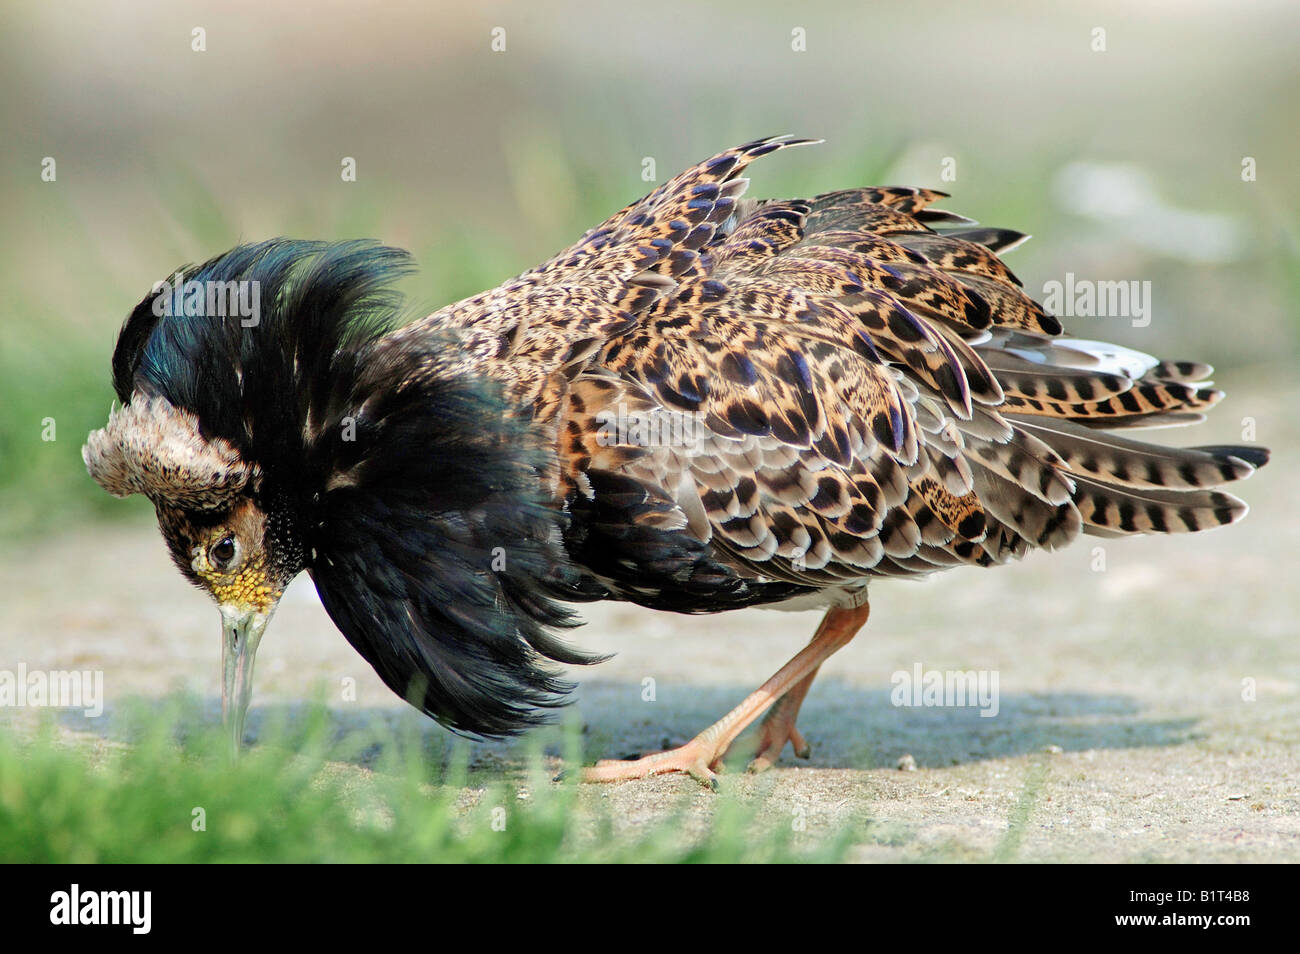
778, 729
700, 759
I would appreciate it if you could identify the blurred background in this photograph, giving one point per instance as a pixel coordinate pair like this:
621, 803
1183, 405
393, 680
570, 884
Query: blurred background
486, 139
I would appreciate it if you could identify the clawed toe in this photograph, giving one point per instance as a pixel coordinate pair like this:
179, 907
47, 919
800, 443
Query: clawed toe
694, 759
772, 741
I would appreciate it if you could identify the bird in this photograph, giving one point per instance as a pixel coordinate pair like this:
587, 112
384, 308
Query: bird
708, 402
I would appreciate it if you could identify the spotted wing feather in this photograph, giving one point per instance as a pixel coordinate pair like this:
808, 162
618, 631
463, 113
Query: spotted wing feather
751, 399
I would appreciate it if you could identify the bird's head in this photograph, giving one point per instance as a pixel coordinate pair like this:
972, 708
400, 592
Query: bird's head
225, 532
306, 440
244, 552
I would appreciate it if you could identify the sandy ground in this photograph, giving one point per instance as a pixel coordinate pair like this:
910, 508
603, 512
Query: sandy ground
1148, 711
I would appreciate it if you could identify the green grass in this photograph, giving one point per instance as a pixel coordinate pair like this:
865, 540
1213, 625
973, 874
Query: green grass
299, 795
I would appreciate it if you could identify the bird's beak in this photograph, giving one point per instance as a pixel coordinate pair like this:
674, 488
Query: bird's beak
241, 631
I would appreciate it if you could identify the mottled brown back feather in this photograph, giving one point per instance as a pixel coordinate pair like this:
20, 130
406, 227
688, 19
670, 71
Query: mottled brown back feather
871, 391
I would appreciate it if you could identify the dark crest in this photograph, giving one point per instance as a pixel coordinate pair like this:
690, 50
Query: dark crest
413, 496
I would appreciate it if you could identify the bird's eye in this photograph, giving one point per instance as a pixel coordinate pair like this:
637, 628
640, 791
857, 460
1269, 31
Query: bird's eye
223, 552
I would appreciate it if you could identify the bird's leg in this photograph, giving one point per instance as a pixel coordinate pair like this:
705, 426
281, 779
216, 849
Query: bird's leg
777, 727
701, 756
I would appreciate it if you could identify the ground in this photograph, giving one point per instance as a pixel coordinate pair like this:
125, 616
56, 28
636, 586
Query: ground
1149, 697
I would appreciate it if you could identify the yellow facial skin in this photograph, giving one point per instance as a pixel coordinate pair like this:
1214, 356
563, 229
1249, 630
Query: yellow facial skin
248, 589
244, 583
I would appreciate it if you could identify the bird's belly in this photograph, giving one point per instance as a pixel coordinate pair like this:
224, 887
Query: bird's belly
847, 597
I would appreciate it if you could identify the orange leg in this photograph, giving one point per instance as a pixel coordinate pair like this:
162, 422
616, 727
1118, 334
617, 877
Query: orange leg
777, 727
702, 755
